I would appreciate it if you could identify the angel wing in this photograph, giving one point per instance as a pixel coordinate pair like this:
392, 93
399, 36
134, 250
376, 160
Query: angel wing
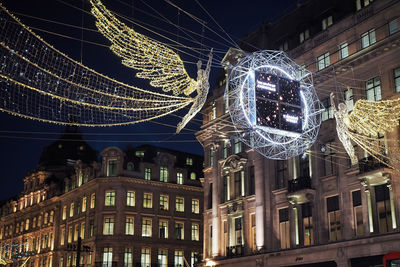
153, 60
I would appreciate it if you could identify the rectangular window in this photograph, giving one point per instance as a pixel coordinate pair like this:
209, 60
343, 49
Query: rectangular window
393, 27
83, 225
307, 224
284, 46
327, 22
334, 214
210, 196
110, 198
164, 202
147, 174
163, 229
179, 178
357, 213
281, 173
112, 167
145, 257
237, 184
253, 232
349, 99
362, 3
327, 113
252, 181
146, 227
92, 200
129, 226
195, 232
71, 209
214, 110
107, 257
225, 149
373, 89
84, 204
178, 258
194, 258
238, 231
323, 61
227, 188
179, 232
329, 159
128, 257
64, 212
76, 232
130, 198
211, 157
189, 161
383, 208
62, 237
368, 38
195, 206
179, 204
108, 228
344, 50
397, 79
237, 146
284, 228
91, 228
147, 200
304, 35
162, 257
164, 174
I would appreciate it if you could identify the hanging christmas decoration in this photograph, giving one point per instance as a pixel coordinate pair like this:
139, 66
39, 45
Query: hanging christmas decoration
273, 104
41, 83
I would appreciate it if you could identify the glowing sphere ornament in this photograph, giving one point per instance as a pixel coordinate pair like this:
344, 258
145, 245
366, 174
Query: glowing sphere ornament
273, 104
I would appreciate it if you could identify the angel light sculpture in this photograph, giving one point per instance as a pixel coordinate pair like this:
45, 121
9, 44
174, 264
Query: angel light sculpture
41, 83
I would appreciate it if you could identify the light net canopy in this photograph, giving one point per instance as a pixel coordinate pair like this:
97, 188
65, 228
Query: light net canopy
273, 104
39, 82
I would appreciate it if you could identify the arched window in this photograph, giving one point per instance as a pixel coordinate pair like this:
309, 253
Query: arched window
130, 166
192, 176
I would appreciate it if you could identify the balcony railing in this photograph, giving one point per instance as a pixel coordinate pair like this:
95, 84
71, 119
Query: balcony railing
235, 251
299, 184
370, 164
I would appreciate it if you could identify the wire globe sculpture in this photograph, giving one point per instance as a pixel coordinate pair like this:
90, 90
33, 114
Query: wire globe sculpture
273, 104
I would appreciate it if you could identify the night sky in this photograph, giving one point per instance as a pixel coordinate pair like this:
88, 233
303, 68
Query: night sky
22, 140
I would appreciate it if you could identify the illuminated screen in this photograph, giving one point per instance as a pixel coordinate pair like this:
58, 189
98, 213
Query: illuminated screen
278, 102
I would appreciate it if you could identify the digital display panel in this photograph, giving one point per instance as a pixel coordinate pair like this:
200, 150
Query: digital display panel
278, 102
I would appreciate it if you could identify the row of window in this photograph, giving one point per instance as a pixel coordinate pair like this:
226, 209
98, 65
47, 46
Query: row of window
145, 258
82, 177
148, 201
80, 207
75, 231
147, 228
29, 200
226, 149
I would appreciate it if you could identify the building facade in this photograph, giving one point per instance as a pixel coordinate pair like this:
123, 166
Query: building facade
315, 209
138, 207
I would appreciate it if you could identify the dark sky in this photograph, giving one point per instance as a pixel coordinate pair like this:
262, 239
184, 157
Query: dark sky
22, 140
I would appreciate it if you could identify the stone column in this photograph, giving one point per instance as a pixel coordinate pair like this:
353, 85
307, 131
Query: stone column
259, 184
392, 207
365, 183
216, 250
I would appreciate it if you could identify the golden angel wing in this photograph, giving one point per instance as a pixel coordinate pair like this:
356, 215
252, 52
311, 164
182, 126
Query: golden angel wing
154, 60
371, 118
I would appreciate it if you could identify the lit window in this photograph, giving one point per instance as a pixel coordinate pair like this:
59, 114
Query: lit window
329, 159
211, 157
344, 50
147, 174
130, 198
162, 258
107, 257
71, 209
368, 38
195, 206
62, 237
146, 227
393, 27
178, 258
110, 198
76, 232
192, 176
163, 174
179, 204
164, 202
194, 258
70, 234
139, 154
179, 231
179, 178
82, 235
214, 110
91, 228
253, 243
84, 204
145, 257
128, 257
348, 98
307, 224
64, 212
397, 79
129, 226
147, 200
383, 208
163, 229
237, 146
112, 167
323, 61
284, 228
225, 149
373, 89
27, 225
108, 228
327, 113
227, 188
189, 161
327, 22
284, 46
92, 200
357, 213
362, 3
195, 232
304, 35
332, 205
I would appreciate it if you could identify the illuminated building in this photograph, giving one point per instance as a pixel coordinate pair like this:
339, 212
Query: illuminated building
315, 209
137, 207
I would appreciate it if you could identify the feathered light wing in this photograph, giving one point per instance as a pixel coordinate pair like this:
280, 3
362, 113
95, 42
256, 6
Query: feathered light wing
370, 118
152, 59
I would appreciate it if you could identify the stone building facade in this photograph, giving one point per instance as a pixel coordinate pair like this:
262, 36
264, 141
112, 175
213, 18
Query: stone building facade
315, 209
138, 207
